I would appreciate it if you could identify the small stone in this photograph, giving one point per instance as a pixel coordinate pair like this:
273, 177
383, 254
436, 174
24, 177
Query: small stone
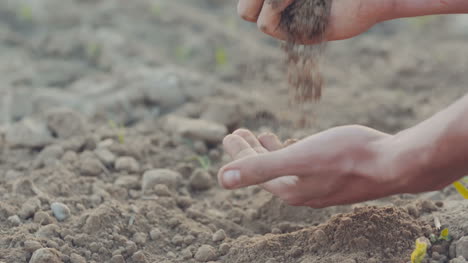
200, 180
49, 156
48, 231
205, 253
14, 220
45, 255
75, 258
461, 247
106, 156
186, 254
197, 129
189, 239
220, 235
60, 211
140, 238
29, 208
117, 259
224, 248
160, 176
66, 123
139, 257
177, 240
200, 147
162, 190
155, 234
42, 218
91, 167
131, 247
127, 164
128, 181
459, 259
28, 133
428, 206
439, 249
32, 245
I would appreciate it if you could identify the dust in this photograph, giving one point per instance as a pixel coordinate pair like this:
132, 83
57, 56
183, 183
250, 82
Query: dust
304, 20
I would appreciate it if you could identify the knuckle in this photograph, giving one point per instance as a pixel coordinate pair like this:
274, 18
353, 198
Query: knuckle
241, 132
229, 139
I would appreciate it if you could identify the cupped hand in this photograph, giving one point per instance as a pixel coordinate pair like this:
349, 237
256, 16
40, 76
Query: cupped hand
348, 18
342, 165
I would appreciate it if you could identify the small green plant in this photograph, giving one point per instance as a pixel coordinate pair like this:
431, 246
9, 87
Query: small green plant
93, 51
25, 13
444, 235
419, 252
204, 161
182, 53
120, 131
221, 57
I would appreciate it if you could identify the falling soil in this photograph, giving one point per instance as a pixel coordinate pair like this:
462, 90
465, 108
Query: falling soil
304, 20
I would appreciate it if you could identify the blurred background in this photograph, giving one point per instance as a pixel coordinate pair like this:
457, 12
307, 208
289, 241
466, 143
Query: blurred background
132, 60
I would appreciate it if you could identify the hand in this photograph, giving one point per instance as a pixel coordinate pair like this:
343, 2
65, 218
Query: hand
339, 166
348, 18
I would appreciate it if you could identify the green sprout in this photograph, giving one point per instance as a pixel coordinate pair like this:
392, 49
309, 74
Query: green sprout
93, 51
444, 235
432, 238
24, 13
204, 161
182, 53
221, 57
120, 131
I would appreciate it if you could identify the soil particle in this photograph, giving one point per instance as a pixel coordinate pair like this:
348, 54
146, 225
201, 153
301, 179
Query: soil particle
60, 211
220, 235
30, 207
139, 257
91, 167
75, 258
205, 253
28, 133
14, 220
49, 156
196, 129
128, 181
160, 176
304, 20
45, 255
66, 123
32, 245
127, 164
105, 156
42, 218
461, 248
162, 190
200, 180
117, 259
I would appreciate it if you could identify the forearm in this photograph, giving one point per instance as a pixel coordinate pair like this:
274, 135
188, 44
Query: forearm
412, 8
435, 152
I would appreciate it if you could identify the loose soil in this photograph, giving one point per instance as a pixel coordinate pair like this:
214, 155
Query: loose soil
112, 115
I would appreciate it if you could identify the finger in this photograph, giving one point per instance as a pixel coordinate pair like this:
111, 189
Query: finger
270, 17
270, 142
259, 169
250, 138
237, 147
249, 9
290, 142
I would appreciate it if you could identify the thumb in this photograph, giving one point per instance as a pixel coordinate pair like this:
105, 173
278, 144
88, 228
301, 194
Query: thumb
255, 170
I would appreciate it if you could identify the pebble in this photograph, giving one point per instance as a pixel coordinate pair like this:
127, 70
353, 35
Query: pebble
128, 181
42, 218
14, 220
220, 235
200, 180
29, 208
49, 156
186, 254
221, 111
45, 255
459, 259
117, 259
91, 167
224, 248
162, 190
66, 123
32, 245
155, 234
160, 176
163, 88
196, 129
28, 133
139, 257
60, 211
48, 231
75, 258
461, 248
127, 164
205, 253
105, 156
140, 238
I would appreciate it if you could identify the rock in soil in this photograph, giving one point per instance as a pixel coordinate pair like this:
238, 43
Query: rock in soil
205, 253
160, 176
45, 255
461, 248
66, 123
200, 180
28, 133
196, 129
60, 211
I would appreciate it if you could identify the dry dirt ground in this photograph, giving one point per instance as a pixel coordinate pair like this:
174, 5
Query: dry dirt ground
112, 113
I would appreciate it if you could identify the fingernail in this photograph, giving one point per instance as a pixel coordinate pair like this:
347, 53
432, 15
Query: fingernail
231, 178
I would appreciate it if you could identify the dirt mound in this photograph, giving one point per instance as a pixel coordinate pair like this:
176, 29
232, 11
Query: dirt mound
369, 233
